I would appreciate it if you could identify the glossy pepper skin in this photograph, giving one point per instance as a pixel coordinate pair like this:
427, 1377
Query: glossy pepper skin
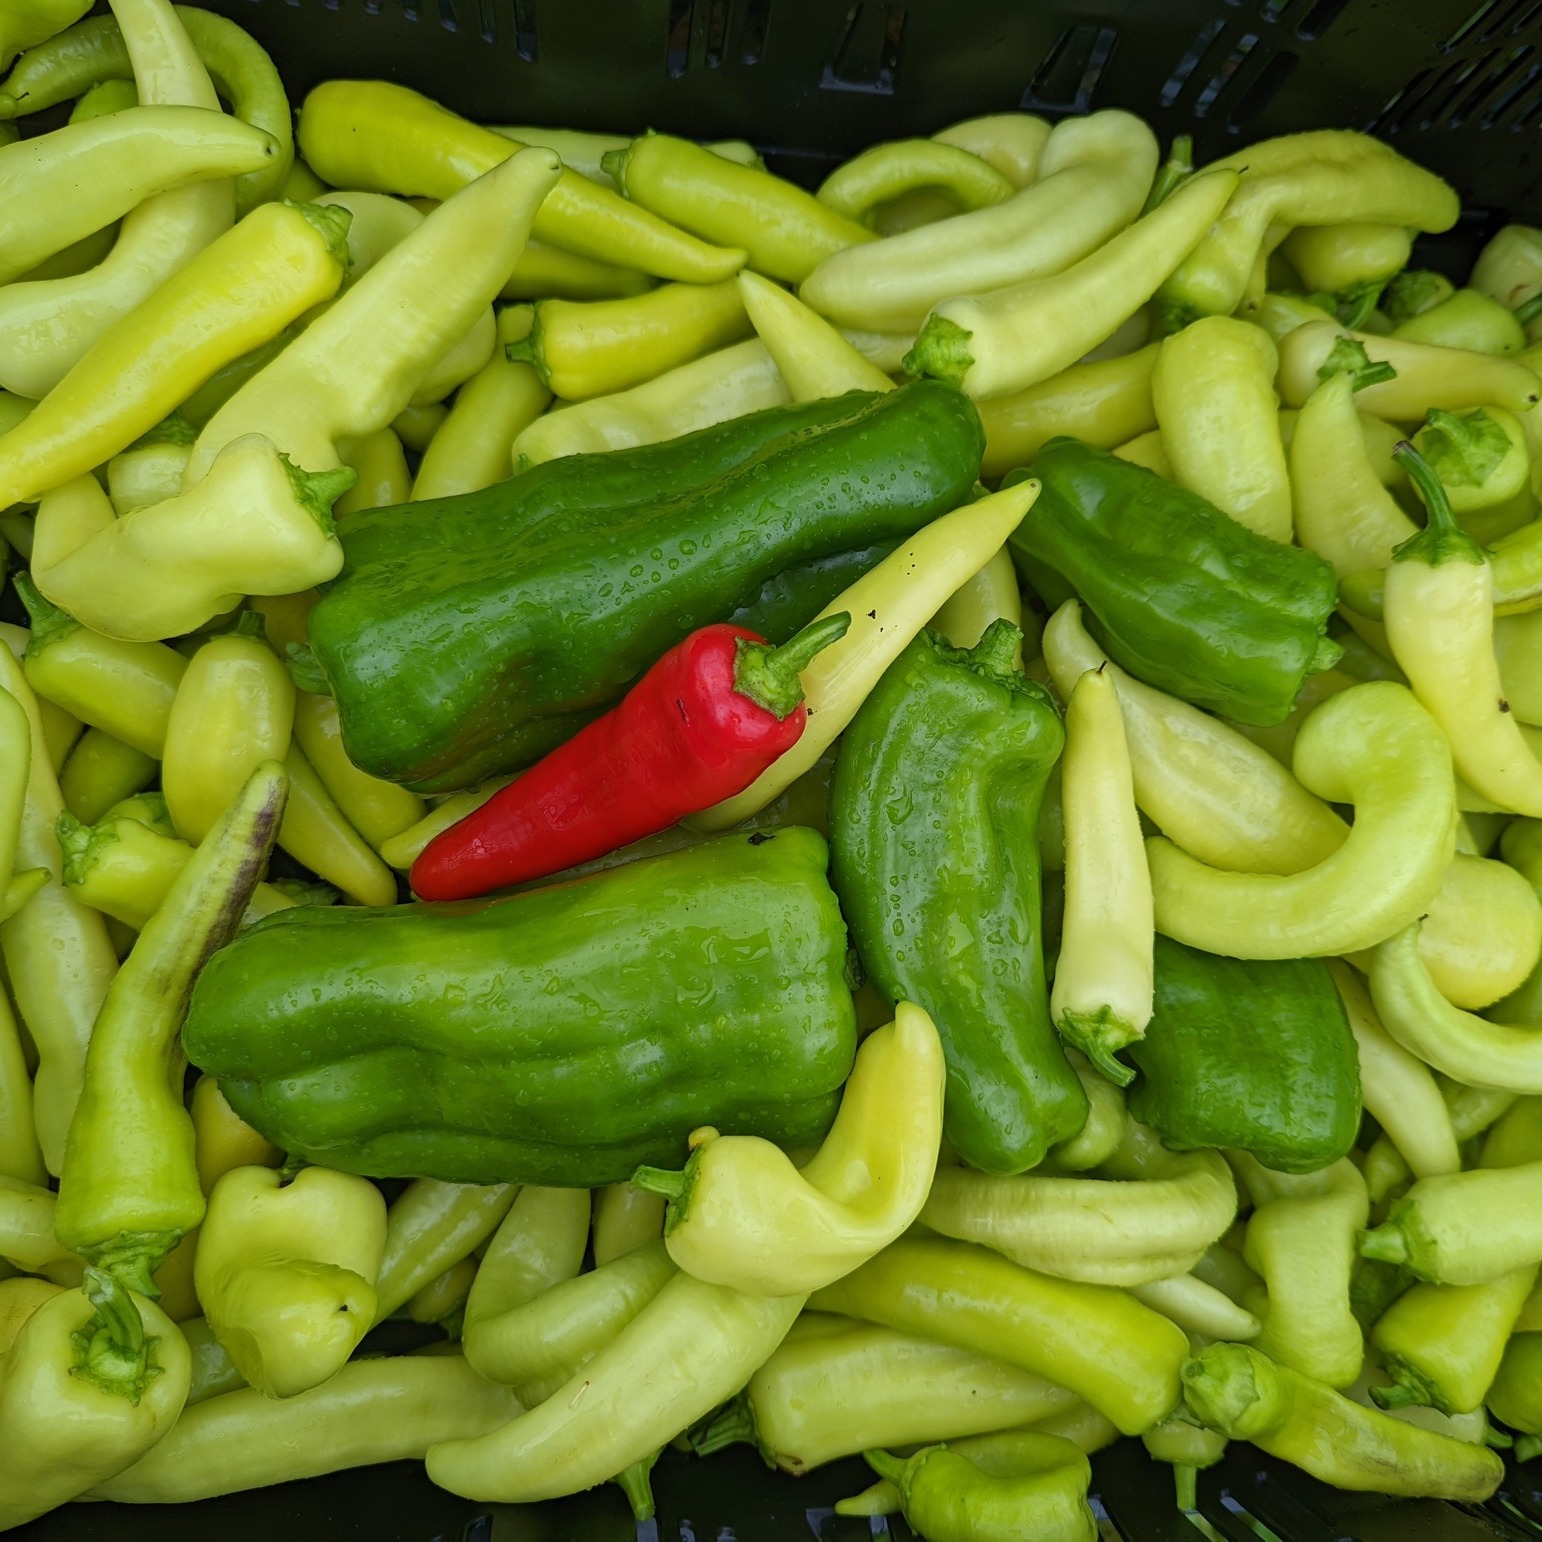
1185, 598
470, 635
488, 1046
700, 726
1253, 1055
933, 811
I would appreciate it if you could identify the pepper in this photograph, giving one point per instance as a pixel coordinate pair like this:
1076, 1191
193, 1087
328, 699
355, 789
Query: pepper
286, 1272
583, 150
257, 524
129, 1187
933, 803
1094, 1340
716, 388
1092, 176
1212, 791
115, 162
834, 1387
1246, 1396
1397, 1087
57, 956
1481, 458
1453, 379
1198, 1307
1026, 332
1373, 746
1103, 1133
890, 605
592, 348
380, 1410
464, 358
100, 771
625, 1218
474, 444
401, 851
991, 595
742, 1215
379, 136
1466, 319
420, 639
1186, 598
810, 355
431, 1227
1317, 178
151, 469
27, 1236
1100, 1230
124, 688
701, 725
93, 1380
1103, 404
1252, 1056
21, 1157
878, 175
1353, 261
1012, 142
1441, 585
378, 810
775, 1058
1102, 996
31, 22
442, 1302
1301, 1241
390, 329
380, 464
1343, 512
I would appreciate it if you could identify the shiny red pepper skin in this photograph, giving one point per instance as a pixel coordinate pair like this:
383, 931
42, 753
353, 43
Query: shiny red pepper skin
699, 727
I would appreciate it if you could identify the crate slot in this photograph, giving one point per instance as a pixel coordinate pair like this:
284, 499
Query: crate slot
1505, 16
867, 57
1204, 39
1522, 98
1495, 90
524, 30
1472, 24
487, 21
447, 17
1067, 77
1319, 19
754, 30
1224, 76
698, 34
1262, 89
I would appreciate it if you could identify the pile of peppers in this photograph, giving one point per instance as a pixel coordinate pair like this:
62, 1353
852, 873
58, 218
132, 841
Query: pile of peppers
945, 864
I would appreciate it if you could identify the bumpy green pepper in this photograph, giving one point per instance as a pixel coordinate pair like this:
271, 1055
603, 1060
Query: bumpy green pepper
934, 808
1249, 1055
470, 635
1185, 597
486, 1047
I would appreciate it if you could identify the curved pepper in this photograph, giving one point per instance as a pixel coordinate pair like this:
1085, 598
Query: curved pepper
27, 1235
1372, 746
93, 1380
129, 1188
430, 1227
1185, 597
1102, 995
1102, 1231
1466, 319
1026, 332
1212, 791
473, 447
30, 22
1317, 178
1246, 1396
1012, 142
692, 1346
286, 1272
1197, 1307
376, 135
101, 771
378, 810
380, 464
378, 1410
583, 150
884, 172
1353, 261
1213, 390
811, 355
742, 1215
991, 595
357, 366
1092, 176
625, 1218
1482, 933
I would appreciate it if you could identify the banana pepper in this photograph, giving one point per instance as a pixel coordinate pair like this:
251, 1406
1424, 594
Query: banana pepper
30, 22
810, 354
742, 1215
625, 1218
390, 329
431, 1226
101, 771
858, 188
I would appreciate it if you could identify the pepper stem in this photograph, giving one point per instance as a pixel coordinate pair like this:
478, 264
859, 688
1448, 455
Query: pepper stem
1399, 1395
331, 221
1527, 1447
317, 491
733, 1427
1529, 310
635, 1483
996, 651
1098, 1035
1175, 170
1442, 539
1386, 1243
660, 1180
1465, 450
1348, 357
1186, 1486
769, 676
49, 622
941, 350
114, 1353
613, 164
885, 1465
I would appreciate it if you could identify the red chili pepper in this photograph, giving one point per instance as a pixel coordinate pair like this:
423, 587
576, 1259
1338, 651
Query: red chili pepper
699, 727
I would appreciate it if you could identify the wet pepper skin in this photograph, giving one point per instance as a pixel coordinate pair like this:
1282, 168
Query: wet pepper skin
562, 1037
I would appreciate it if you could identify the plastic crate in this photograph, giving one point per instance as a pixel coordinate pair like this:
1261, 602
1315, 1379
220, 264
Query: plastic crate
1455, 84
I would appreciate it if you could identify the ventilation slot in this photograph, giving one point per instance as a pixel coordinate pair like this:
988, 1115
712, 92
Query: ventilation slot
867, 58
412, 10
524, 30
1319, 19
1493, 90
1260, 91
1505, 18
754, 31
1473, 24
698, 31
1520, 99
447, 17
678, 50
1191, 60
487, 21
1068, 78
1224, 76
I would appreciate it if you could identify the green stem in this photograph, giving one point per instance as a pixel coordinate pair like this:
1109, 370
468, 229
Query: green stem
734, 1426
1186, 1487
1399, 1395
1386, 1243
613, 164
941, 350
1526, 1447
49, 623
1348, 357
769, 676
1175, 170
660, 1180
1465, 450
1097, 1035
1357, 302
635, 1483
996, 652
132, 1257
317, 491
113, 1352
1529, 310
885, 1465
331, 221
1442, 539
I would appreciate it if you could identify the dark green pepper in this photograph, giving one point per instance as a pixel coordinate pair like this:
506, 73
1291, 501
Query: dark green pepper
1248, 1054
787, 603
469, 635
934, 810
561, 1037
1183, 596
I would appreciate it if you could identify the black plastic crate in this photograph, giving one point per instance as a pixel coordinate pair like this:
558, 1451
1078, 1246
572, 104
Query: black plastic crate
1454, 84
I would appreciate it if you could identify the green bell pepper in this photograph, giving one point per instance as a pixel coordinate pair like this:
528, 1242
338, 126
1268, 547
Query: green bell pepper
934, 809
1247, 1054
1184, 597
489, 1045
469, 635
